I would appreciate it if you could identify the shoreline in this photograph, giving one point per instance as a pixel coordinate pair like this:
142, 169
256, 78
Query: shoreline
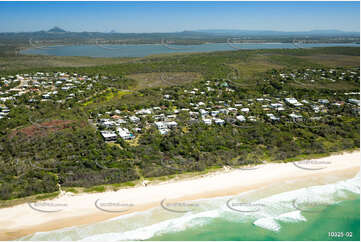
80, 209
23, 51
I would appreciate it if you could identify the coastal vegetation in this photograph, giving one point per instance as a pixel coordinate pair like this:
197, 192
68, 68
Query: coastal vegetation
56, 143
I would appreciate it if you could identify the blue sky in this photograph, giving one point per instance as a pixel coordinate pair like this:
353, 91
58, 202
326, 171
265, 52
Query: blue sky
137, 17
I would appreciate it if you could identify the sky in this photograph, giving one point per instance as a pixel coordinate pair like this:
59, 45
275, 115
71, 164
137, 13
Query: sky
147, 17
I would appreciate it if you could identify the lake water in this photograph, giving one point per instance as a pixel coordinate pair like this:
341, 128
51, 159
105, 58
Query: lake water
308, 214
142, 50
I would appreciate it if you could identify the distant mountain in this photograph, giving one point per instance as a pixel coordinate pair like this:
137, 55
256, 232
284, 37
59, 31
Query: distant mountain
56, 30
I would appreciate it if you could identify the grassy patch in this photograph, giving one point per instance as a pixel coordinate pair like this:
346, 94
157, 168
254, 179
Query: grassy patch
29, 199
158, 79
333, 60
95, 189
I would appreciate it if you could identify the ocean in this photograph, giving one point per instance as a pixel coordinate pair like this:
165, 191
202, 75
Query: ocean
322, 212
141, 50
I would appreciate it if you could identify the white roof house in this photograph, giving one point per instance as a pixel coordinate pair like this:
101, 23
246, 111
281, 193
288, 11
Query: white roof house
252, 118
315, 108
164, 131
134, 119
214, 113
241, 118
223, 110
354, 101
124, 133
207, 121
171, 124
144, 111
106, 123
120, 121
323, 101
245, 110
203, 112
272, 117
293, 101
295, 117
165, 125
219, 121
108, 135
276, 105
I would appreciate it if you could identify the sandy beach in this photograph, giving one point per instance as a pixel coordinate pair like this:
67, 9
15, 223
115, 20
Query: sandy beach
77, 209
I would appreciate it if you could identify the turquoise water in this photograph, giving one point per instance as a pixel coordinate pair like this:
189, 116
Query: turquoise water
343, 217
308, 213
142, 50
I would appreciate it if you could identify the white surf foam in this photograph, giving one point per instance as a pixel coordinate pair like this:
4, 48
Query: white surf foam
143, 225
267, 223
173, 225
291, 217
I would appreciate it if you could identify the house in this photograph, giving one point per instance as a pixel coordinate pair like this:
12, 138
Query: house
272, 117
315, 108
164, 131
214, 113
323, 101
219, 121
106, 123
159, 117
224, 111
134, 119
46, 96
207, 121
295, 117
245, 110
124, 133
171, 124
241, 118
203, 112
354, 101
293, 101
276, 105
252, 118
165, 125
120, 121
109, 135
144, 111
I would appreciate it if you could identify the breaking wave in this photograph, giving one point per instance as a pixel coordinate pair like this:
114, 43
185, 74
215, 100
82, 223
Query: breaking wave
287, 207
